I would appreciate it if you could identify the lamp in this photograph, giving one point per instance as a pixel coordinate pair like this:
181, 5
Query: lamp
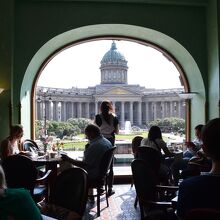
44, 97
187, 95
1, 90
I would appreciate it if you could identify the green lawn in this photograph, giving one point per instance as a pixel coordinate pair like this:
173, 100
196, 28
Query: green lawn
80, 145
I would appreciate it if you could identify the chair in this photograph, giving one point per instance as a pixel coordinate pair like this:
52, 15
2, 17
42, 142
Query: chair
153, 159
135, 143
103, 177
147, 188
203, 214
151, 156
20, 172
70, 190
30, 145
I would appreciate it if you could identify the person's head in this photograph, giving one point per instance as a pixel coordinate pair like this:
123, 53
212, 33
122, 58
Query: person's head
106, 107
211, 140
136, 142
198, 131
2, 179
92, 131
16, 131
154, 133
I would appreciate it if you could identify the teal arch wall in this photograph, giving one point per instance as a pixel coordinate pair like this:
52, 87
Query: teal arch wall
169, 44
29, 26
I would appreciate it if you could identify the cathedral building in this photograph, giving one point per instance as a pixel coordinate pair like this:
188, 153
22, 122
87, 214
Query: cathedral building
133, 103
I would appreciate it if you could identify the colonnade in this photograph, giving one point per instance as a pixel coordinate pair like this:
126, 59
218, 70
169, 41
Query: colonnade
137, 112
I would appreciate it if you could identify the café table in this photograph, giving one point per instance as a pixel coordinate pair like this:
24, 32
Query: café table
50, 164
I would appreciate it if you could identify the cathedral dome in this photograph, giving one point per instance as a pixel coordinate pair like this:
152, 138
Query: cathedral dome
113, 55
113, 67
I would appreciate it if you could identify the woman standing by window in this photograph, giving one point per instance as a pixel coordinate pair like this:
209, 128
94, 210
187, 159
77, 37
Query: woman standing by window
109, 126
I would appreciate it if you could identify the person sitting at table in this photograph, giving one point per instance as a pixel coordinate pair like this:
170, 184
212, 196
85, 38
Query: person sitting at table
203, 191
11, 145
192, 148
93, 153
135, 143
155, 141
16, 203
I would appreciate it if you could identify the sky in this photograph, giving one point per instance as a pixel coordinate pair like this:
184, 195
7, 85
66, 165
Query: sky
78, 66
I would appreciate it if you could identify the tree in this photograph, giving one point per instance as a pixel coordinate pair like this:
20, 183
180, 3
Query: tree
71, 127
170, 125
80, 122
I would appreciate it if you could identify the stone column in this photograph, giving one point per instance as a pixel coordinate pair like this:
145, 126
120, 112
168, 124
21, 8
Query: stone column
87, 110
166, 109
51, 110
155, 110
63, 111
171, 109
96, 107
47, 110
41, 110
59, 111
70, 110
113, 105
55, 110
131, 113
79, 110
175, 109
67, 110
139, 114
122, 114
36, 110
162, 109
180, 108
147, 112
73, 110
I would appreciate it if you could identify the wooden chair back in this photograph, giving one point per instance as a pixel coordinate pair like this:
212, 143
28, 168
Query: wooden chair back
70, 190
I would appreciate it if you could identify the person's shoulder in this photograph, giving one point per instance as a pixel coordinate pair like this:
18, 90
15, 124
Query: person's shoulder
144, 141
16, 191
106, 141
5, 141
193, 181
98, 117
18, 194
160, 141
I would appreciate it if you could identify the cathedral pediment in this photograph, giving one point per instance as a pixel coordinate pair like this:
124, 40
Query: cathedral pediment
119, 91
